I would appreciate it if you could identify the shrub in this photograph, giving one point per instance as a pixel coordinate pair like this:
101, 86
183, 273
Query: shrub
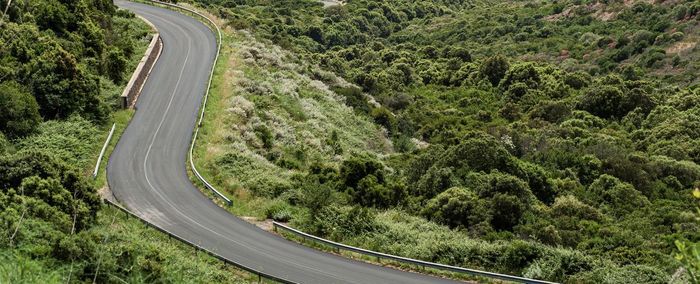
557, 265
537, 180
551, 111
365, 181
19, 112
279, 211
457, 207
577, 80
477, 151
435, 181
628, 274
520, 254
506, 211
570, 206
494, 69
615, 196
353, 170
339, 223
605, 102
354, 98
384, 117
115, 65
524, 73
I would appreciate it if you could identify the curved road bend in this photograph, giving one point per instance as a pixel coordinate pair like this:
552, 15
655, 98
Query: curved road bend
147, 170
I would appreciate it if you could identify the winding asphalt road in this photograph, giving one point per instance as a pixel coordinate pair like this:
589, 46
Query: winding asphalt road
147, 170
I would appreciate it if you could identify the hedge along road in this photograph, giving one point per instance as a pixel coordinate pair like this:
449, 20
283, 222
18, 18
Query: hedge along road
147, 170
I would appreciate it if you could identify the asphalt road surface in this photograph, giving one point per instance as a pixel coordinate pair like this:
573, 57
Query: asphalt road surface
147, 170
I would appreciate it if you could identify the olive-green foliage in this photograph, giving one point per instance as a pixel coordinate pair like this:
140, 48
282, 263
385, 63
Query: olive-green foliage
19, 112
71, 141
40, 175
58, 49
494, 68
627, 274
342, 222
62, 87
456, 207
116, 64
620, 198
366, 181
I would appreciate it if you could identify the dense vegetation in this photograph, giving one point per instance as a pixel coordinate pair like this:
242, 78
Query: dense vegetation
555, 140
63, 65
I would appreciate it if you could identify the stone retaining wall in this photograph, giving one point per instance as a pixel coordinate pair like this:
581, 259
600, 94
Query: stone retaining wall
138, 79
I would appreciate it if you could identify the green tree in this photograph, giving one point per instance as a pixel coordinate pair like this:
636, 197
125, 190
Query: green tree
62, 87
457, 207
19, 112
603, 101
524, 73
357, 168
615, 196
115, 65
435, 181
50, 180
494, 69
365, 180
52, 14
506, 211
478, 151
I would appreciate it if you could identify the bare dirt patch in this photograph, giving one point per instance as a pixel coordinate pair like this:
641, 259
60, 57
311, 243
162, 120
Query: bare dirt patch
264, 224
681, 47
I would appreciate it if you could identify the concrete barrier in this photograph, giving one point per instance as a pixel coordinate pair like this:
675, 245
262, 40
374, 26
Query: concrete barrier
138, 79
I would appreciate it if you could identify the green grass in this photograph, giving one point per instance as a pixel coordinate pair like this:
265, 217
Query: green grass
386, 262
121, 118
180, 262
126, 251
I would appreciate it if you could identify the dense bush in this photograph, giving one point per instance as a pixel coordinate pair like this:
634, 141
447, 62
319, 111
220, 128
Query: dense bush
19, 112
457, 207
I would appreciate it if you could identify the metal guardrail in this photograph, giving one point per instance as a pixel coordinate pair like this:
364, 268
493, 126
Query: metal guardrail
102, 152
260, 274
417, 262
206, 98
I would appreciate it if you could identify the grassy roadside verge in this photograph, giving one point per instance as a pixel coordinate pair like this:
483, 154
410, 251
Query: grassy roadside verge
168, 259
385, 262
121, 119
